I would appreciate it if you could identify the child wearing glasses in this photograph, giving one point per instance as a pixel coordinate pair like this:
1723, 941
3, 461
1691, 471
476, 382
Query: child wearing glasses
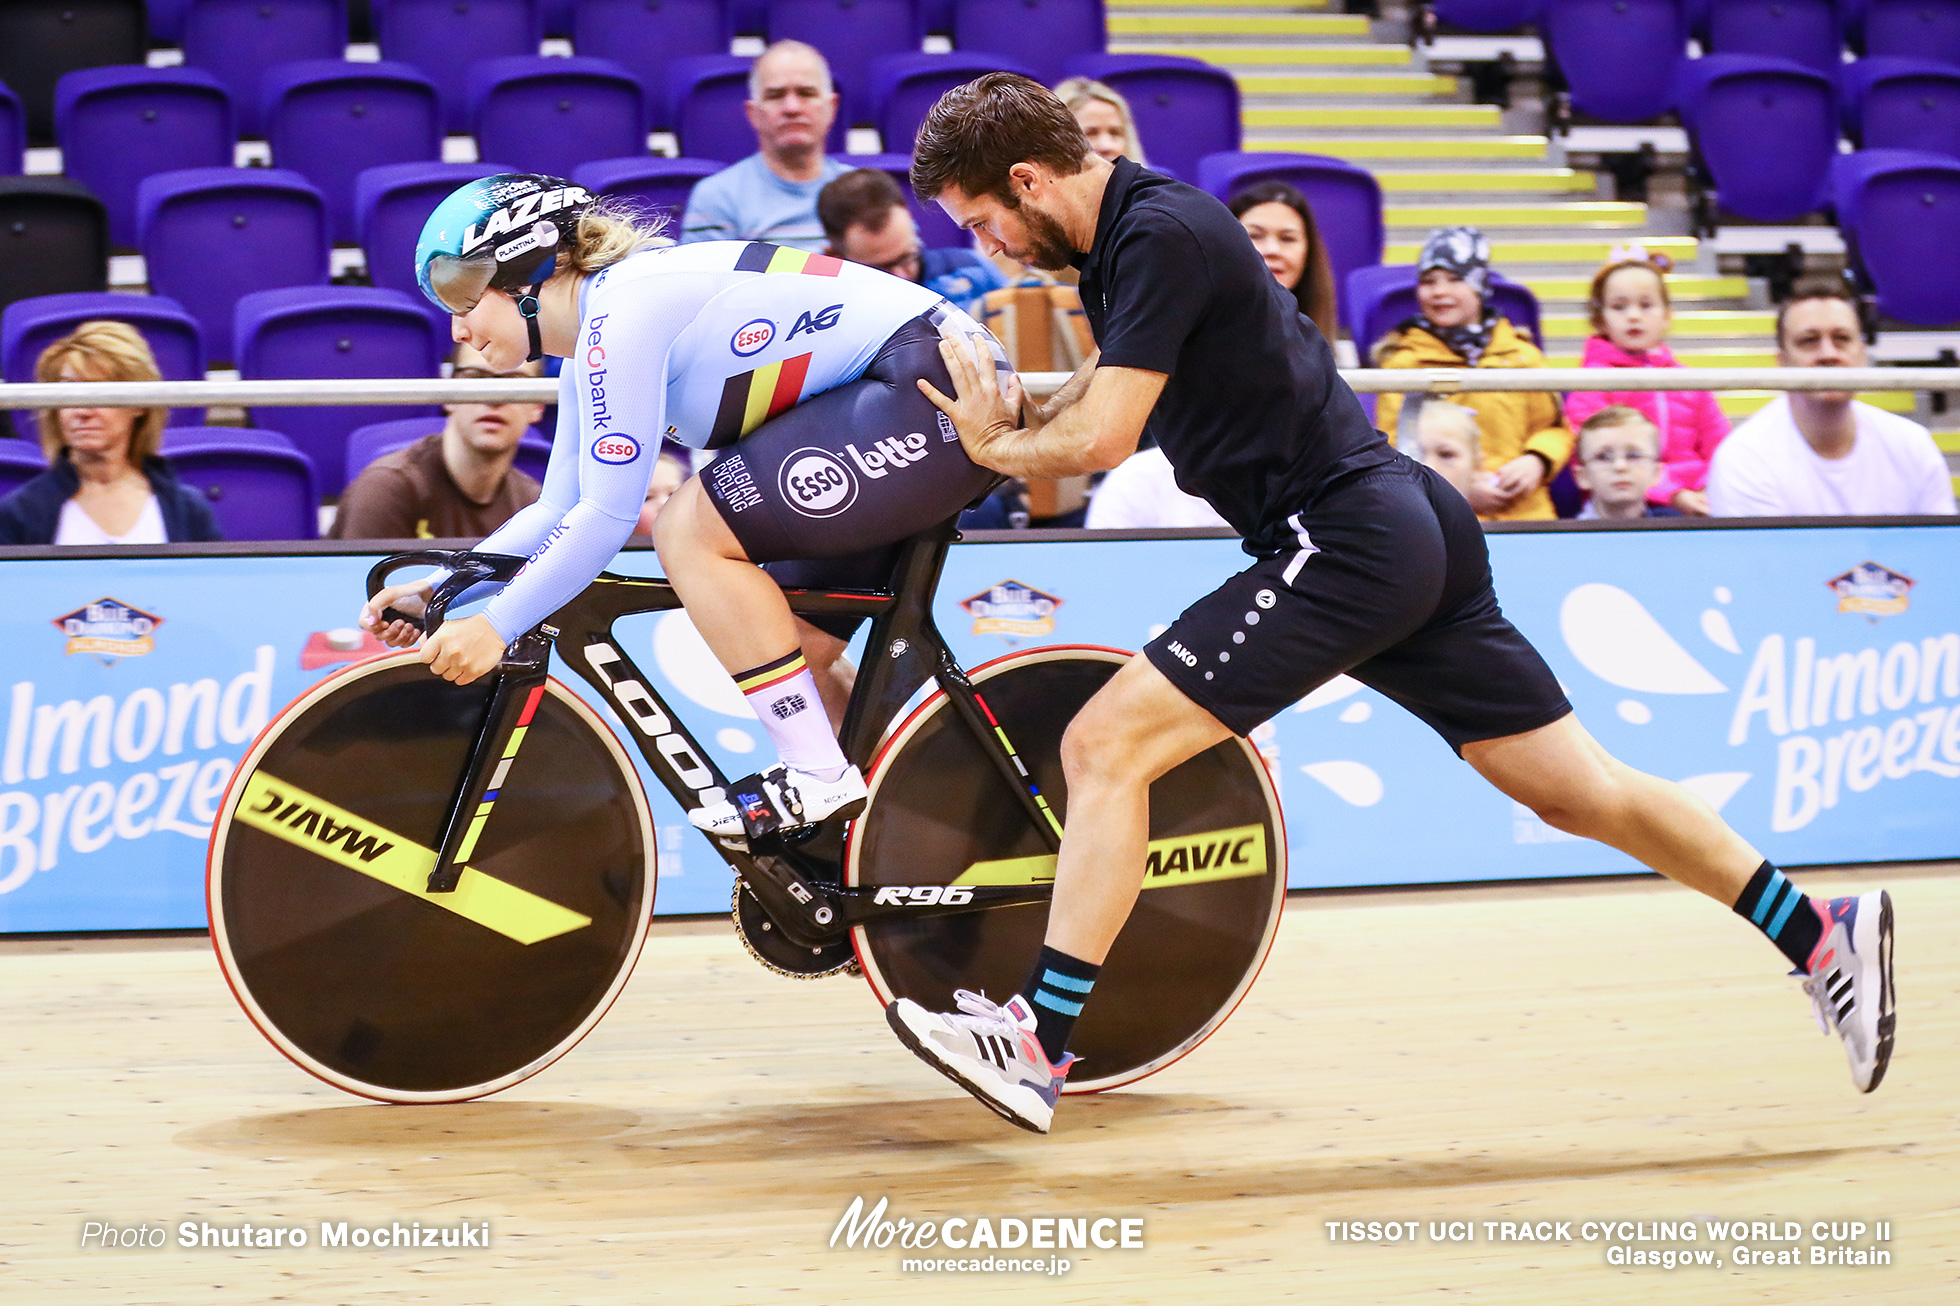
1631, 314
1618, 464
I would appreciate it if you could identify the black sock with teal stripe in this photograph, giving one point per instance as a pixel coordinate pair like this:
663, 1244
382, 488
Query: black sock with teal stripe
1774, 905
1056, 989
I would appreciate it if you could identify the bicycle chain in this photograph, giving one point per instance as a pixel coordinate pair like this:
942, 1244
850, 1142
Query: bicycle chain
849, 966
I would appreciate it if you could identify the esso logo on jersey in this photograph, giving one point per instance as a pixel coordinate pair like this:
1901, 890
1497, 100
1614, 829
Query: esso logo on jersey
816, 483
616, 449
753, 337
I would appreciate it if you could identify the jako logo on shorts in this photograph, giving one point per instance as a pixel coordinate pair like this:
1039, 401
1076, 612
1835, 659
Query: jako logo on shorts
616, 449
816, 483
753, 337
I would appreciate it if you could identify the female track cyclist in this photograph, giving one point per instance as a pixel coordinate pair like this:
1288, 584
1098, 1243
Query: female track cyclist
800, 369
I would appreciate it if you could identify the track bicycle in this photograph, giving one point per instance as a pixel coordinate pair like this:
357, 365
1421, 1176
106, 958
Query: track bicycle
424, 892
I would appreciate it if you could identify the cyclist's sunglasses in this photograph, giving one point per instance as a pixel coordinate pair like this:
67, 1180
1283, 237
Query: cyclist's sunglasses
459, 283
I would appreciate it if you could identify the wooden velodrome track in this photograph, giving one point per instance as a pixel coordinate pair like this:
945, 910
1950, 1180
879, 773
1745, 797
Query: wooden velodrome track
1575, 1052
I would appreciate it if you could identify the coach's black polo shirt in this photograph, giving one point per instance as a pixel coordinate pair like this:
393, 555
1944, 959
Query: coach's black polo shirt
1253, 418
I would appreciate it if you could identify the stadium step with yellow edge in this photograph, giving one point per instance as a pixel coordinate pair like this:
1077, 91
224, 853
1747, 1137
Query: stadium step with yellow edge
1689, 324
1169, 28
1688, 357
1216, 6
1568, 216
1508, 252
1267, 56
1258, 87
1686, 286
1738, 404
1376, 117
1549, 181
1366, 150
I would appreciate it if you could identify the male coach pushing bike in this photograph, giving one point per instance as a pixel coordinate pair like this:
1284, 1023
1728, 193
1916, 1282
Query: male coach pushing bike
1366, 562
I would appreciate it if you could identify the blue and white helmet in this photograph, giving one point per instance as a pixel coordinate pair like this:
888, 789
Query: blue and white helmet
499, 232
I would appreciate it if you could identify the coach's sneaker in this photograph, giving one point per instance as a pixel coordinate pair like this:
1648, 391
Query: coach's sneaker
1850, 981
780, 801
990, 1051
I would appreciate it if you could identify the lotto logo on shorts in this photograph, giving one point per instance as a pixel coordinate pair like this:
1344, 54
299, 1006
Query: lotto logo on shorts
816, 483
616, 449
753, 337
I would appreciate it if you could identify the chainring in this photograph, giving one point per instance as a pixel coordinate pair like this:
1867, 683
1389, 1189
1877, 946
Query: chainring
773, 949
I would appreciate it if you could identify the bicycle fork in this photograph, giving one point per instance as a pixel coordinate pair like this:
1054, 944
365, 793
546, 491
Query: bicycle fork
520, 684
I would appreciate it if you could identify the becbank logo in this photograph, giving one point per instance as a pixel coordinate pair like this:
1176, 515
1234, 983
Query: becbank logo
109, 628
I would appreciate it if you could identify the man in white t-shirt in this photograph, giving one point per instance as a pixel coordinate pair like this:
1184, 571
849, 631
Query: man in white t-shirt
1140, 493
1821, 453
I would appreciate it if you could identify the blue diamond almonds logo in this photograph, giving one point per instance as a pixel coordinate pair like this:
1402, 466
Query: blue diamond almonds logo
109, 628
1871, 590
1012, 609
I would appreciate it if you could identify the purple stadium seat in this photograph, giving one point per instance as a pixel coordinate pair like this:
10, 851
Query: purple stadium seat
13, 133
647, 35
1902, 104
54, 238
1619, 57
1046, 33
1486, 15
555, 16
20, 461
904, 87
1805, 31
333, 332
1910, 29
41, 40
1185, 109
1900, 213
656, 186
851, 34
211, 235
167, 21
706, 95
1380, 298
444, 37
119, 125
329, 120
29, 326
371, 442
550, 115
936, 230
237, 40
390, 205
260, 486
1732, 104
1346, 202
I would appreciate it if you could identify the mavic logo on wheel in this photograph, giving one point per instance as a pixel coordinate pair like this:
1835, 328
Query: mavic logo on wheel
922, 895
288, 812
297, 816
1178, 860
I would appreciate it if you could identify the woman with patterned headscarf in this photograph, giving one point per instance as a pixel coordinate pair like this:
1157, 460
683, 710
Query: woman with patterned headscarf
1523, 435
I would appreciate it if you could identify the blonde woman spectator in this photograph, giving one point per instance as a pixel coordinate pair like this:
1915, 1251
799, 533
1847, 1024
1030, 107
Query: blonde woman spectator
105, 482
1105, 117
1525, 438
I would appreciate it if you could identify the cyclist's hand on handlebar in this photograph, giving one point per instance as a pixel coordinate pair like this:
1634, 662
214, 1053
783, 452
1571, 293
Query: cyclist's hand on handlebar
412, 598
981, 414
462, 650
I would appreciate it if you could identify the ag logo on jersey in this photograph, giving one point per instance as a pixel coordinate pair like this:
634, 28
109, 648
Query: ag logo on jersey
753, 337
822, 320
616, 449
817, 484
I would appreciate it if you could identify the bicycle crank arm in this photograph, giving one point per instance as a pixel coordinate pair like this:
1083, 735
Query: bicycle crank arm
806, 913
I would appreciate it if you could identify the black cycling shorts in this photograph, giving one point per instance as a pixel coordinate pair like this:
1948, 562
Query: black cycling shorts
853, 469
1389, 581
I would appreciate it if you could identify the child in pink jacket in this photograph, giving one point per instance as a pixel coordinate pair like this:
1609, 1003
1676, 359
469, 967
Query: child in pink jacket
1631, 313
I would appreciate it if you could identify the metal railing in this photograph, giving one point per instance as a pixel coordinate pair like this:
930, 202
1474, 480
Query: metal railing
308, 394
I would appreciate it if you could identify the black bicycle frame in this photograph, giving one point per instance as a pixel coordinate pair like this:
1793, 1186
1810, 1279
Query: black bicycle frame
799, 885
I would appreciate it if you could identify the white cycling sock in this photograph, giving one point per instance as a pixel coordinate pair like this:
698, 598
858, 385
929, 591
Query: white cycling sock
784, 696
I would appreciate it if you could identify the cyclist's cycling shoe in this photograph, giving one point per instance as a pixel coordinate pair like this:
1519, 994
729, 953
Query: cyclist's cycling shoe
1850, 982
780, 802
988, 1050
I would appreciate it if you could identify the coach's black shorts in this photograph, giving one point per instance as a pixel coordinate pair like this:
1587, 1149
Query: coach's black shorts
1391, 584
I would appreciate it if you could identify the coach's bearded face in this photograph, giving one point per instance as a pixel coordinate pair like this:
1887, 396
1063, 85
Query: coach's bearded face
1043, 242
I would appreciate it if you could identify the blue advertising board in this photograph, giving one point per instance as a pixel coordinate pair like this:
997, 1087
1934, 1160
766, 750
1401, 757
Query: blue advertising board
1805, 681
